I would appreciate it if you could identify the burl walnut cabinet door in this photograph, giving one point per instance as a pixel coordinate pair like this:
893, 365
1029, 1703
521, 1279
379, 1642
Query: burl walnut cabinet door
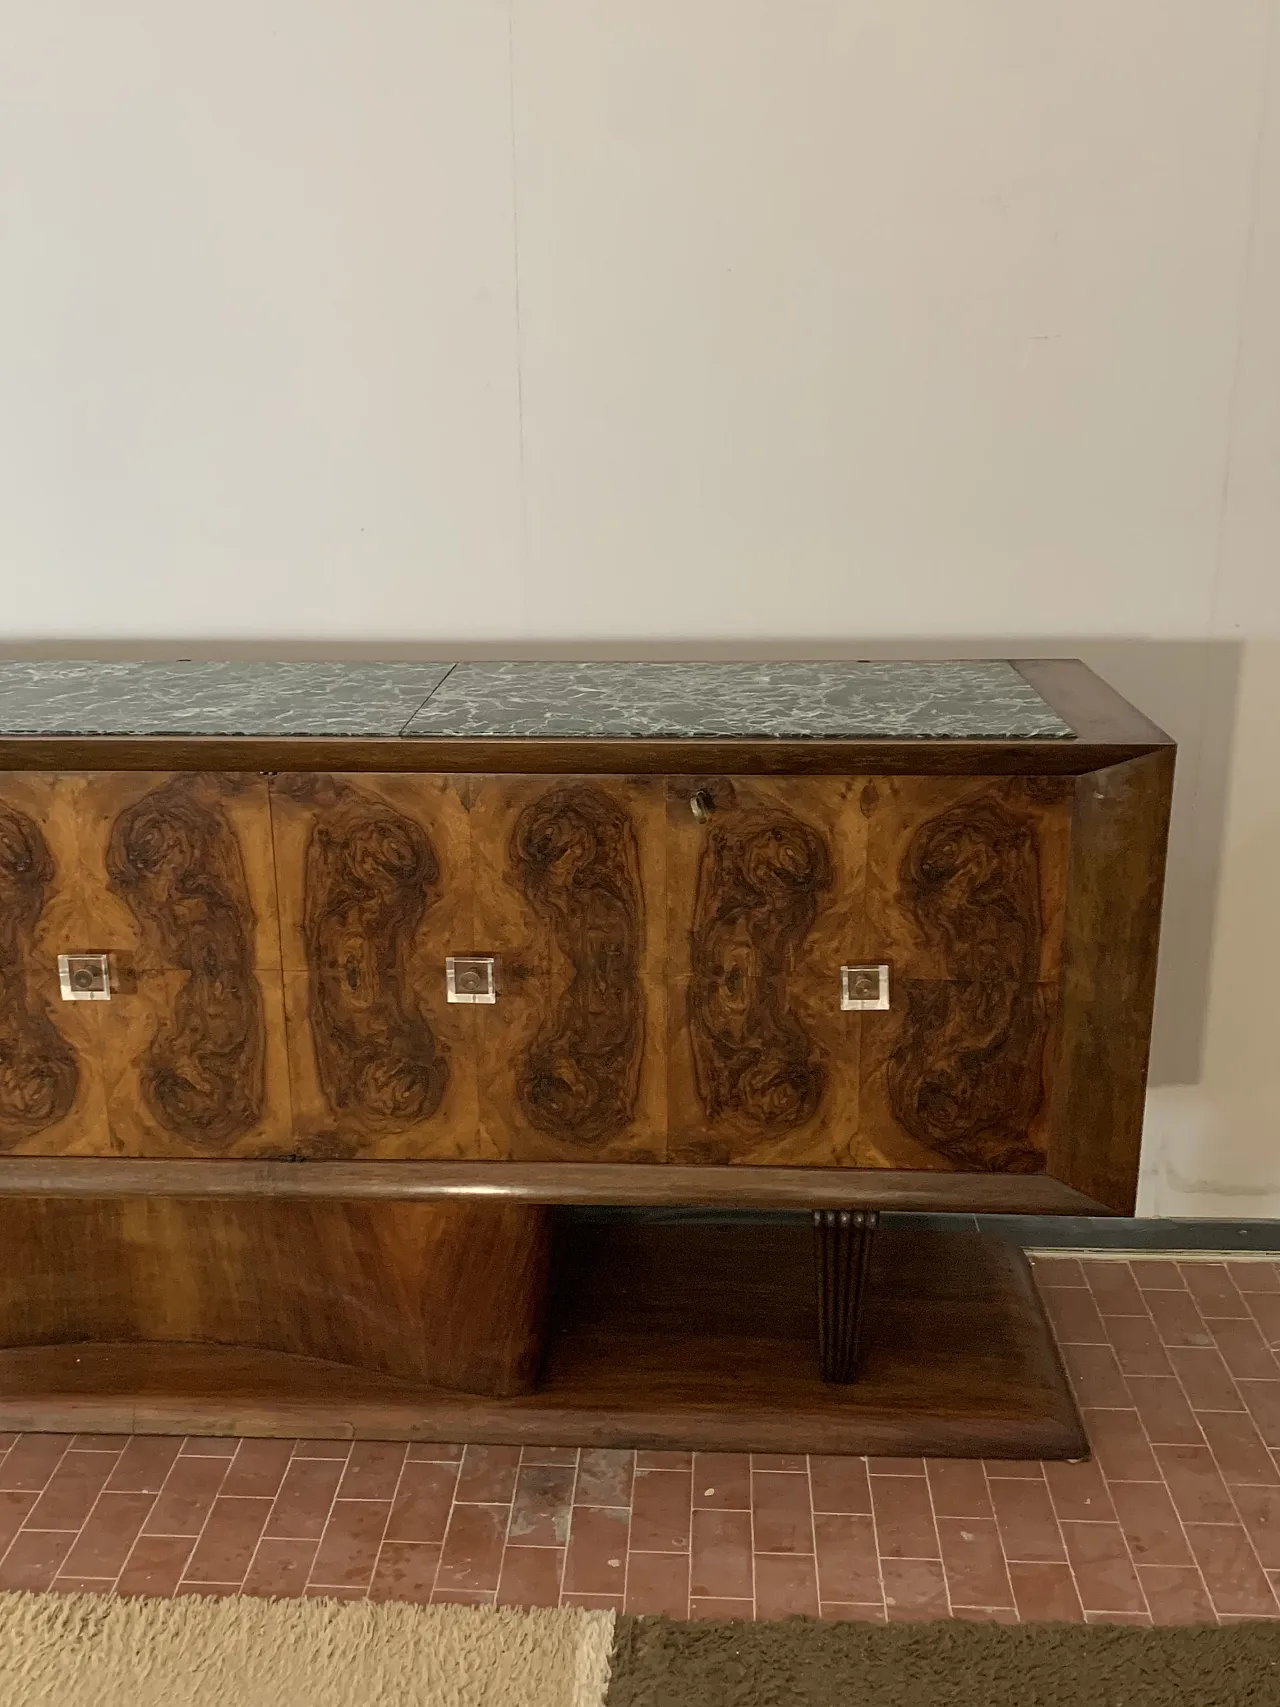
569, 894
171, 877
965, 900
375, 889
956, 885
765, 885
52, 1097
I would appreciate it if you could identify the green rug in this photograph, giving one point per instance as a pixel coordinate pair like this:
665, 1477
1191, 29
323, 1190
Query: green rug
799, 1662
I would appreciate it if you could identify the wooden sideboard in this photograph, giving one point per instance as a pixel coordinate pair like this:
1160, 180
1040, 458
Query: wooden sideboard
306, 1031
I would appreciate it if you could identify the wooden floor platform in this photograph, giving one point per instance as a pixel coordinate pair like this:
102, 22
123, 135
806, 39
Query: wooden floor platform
664, 1336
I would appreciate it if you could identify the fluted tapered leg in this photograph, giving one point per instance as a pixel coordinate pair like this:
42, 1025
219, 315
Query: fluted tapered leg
842, 1255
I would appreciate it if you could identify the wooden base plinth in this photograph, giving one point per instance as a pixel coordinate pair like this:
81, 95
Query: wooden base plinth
432, 1294
675, 1336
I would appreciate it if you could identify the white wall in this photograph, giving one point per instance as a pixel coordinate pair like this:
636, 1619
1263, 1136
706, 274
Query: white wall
827, 326
1213, 1147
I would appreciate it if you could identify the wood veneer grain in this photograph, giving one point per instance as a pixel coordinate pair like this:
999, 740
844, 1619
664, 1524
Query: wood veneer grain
171, 877
965, 898
1092, 707
450, 1294
1120, 832
39, 1073
374, 878
175, 860
569, 880
549, 1182
763, 899
675, 1337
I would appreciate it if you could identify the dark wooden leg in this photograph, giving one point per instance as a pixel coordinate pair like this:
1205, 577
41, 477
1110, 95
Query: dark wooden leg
842, 1240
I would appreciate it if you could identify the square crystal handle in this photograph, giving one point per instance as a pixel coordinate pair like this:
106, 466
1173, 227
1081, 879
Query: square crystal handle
470, 978
84, 977
864, 986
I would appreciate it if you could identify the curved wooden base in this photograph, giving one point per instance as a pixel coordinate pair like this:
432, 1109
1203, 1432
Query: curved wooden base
670, 1336
444, 1294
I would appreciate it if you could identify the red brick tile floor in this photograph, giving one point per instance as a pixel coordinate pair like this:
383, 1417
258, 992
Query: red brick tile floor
1176, 1517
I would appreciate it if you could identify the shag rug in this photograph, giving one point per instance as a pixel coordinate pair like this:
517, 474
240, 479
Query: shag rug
101, 1651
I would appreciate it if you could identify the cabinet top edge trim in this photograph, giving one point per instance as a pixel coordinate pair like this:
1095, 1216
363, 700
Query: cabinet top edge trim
605, 756
585, 1183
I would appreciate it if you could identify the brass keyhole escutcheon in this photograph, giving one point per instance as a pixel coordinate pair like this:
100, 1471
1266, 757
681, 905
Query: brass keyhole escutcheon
701, 805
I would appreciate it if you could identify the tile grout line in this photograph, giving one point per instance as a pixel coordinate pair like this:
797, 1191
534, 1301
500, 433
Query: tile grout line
76, 1534
1057, 1516
875, 1541
448, 1525
1181, 1521
386, 1522
626, 1552
813, 1534
324, 1528
1106, 1480
226, 1467
568, 1530
506, 1534
554, 1546
1062, 1542
1075, 1253
751, 1530
510, 1503
1004, 1551
154, 1498
693, 1483
937, 1538
22, 1529
253, 1556
1182, 1525
1214, 1457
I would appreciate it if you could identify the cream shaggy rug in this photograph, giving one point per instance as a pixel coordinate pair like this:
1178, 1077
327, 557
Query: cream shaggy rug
82, 1650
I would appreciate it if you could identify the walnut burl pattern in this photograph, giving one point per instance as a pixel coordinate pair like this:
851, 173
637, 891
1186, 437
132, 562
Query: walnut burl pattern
971, 882
966, 1078
574, 856
173, 857
450, 1295
371, 873
38, 1072
760, 881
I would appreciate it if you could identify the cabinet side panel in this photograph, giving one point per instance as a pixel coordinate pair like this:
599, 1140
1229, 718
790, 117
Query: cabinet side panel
1119, 836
